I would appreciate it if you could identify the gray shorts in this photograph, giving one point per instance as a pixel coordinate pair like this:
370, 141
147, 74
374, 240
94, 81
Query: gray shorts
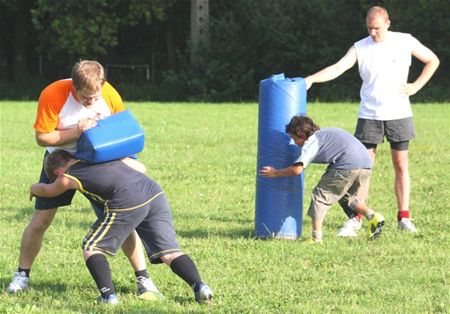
374, 131
153, 223
336, 185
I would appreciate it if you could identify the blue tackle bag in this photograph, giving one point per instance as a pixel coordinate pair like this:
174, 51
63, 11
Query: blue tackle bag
115, 137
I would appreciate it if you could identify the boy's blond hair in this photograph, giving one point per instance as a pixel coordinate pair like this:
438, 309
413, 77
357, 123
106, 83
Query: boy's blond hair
88, 76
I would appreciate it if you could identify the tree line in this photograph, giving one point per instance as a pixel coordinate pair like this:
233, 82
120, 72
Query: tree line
145, 45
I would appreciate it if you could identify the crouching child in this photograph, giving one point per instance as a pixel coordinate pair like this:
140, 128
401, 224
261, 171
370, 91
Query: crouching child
345, 180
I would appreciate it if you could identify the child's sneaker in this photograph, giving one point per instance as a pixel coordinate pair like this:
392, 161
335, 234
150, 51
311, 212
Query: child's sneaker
406, 224
18, 283
147, 290
203, 293
375, 225
111, 299
350, 228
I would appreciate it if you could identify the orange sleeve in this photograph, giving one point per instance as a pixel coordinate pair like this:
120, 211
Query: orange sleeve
51, 101
112, 98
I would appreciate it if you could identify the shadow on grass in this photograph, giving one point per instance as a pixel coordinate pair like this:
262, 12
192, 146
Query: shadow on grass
212, 229
48, 287
24, 214
189, 216
41, 286
236, 233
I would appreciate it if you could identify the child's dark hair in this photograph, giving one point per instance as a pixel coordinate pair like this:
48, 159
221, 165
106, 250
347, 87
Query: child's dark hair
301, 124
57, 159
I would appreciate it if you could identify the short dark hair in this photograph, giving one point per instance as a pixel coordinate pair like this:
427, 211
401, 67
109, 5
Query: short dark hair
301, 124
57, 159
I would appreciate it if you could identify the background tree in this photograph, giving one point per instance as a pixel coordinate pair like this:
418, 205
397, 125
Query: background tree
15, 24
247, 41
89, 28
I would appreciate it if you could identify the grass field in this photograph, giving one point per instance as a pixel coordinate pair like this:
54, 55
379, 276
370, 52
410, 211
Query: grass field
204, 155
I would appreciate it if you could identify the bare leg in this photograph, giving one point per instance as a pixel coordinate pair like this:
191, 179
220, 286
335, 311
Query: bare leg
133, 249
33, 236
87, 254
343, 202
372, 153
317, 229
363, 209
402, 178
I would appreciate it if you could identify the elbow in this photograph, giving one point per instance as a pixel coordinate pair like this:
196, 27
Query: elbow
434, 62
297, 170
437, 62
40, 141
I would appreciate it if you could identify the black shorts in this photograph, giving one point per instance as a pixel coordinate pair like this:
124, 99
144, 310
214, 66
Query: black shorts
372, 132
54, 202
153, 223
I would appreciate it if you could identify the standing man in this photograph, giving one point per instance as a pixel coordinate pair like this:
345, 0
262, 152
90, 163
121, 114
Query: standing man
384, 58
66, 109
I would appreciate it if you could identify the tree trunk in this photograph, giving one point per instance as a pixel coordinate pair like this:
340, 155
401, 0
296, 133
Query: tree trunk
19, 41
199, 21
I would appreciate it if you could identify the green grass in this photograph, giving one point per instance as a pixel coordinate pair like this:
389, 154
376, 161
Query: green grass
204, 155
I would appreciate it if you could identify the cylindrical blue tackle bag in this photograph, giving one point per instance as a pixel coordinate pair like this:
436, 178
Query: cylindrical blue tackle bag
279, 201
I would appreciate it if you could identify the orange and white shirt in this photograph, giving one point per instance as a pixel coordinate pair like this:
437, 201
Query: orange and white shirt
58, 109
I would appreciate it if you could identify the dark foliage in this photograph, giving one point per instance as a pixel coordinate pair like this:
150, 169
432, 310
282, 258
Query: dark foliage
146, 49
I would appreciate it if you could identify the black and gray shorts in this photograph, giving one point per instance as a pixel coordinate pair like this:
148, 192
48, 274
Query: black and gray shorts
372, 132
152, 221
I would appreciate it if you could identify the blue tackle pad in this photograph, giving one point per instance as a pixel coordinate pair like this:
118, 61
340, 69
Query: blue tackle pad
115, 137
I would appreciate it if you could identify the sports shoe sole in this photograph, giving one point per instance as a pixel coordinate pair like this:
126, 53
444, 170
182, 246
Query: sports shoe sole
377, 232
151, 296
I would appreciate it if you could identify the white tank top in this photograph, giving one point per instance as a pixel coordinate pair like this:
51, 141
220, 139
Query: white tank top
383, 67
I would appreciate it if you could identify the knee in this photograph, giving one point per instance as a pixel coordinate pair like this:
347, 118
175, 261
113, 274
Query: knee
401, 167
40, 222
400, 161
167, 259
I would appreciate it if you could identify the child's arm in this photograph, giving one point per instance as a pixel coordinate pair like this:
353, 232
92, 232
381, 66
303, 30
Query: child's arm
136, 165
271, 172
59, 186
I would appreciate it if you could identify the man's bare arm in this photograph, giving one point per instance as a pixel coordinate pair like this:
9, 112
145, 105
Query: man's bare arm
431, 63
333, 71
61, 137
